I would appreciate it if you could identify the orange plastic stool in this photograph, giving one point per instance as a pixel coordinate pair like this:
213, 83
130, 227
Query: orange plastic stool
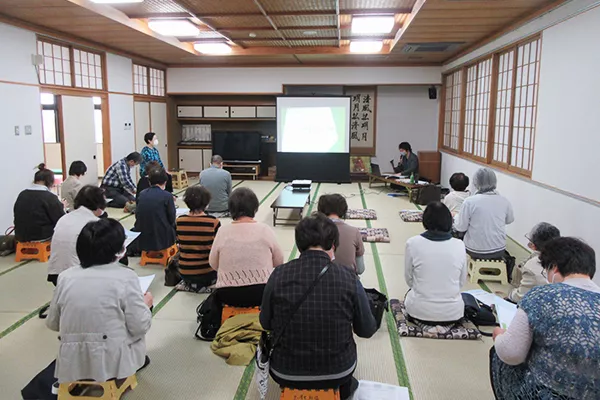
33, 251
158, 257
109, 389
229, 311
297, 394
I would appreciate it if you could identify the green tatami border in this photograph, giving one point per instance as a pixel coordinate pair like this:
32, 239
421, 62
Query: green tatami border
15, 267
401, 370
22, 321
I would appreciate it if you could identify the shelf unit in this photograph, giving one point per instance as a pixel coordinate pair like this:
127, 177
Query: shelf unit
247, 169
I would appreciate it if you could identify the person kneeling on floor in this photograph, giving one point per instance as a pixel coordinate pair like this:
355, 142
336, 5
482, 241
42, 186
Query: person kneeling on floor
99, 310
316, 349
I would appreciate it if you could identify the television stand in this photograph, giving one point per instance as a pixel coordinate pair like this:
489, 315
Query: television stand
243, 169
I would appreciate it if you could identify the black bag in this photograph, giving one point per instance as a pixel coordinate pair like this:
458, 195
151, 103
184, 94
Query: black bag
425, 195
379, 303
510, 264
209, 318
40, 387
8, 244
172, 275
478, 313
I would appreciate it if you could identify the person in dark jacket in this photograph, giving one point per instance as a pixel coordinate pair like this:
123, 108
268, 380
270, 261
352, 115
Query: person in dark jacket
409, 162
37, 209
317, 348
155, 214
144, 182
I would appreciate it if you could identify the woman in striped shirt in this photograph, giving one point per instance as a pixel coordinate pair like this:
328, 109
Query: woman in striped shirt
195, 234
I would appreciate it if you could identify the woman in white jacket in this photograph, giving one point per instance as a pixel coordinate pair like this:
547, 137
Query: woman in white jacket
435, 269
99, 310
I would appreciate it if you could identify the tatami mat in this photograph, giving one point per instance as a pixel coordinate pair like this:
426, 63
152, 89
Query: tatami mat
185, 368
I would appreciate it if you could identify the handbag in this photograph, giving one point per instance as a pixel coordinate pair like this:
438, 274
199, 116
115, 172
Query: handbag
8, 243
209, 318
172, 275
379, 303
41, 386
425, 195
268, 342
478, 313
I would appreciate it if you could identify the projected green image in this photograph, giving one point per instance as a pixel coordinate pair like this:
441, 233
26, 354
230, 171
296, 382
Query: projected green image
314, 129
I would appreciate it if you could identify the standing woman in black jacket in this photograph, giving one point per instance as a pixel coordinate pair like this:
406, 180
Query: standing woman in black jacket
37, 209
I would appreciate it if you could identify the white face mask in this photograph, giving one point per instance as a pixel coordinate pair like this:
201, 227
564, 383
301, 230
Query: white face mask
155, 142
553, 276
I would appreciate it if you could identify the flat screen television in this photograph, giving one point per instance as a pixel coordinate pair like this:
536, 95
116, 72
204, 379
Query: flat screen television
237, 146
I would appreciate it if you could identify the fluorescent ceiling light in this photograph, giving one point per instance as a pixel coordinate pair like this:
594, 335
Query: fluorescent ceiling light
212, 48
173, 27
378, 24
366, 46
116, 1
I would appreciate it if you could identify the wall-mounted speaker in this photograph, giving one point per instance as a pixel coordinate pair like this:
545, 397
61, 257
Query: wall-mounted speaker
432, 93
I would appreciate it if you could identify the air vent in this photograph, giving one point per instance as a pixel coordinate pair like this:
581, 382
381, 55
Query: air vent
432, 47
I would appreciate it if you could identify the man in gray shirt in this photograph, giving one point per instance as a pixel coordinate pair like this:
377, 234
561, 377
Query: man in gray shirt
218, 183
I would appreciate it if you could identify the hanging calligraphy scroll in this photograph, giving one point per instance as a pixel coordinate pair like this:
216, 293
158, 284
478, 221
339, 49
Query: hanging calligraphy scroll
362, 119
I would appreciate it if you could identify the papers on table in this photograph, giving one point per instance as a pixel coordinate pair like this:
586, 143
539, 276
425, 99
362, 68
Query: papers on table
504, 310
368, 390
108, 200
145, 282
130, 237
181, 211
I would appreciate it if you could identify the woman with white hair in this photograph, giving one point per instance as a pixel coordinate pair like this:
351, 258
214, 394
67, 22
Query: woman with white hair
484, 217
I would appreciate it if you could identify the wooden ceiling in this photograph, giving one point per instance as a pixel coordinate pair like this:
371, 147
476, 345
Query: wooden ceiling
274, 32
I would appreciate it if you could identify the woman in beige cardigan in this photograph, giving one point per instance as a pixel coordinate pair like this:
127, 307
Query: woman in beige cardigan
99, 310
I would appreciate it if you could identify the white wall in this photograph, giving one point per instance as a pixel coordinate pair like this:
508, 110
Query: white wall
119, 71
19, 106
271, 80
568, 124
122, 140
534, 203
405, 114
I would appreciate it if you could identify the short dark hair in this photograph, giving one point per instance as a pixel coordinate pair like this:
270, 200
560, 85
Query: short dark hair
405, 146
459, 182
77, 168
90, 197
158, 176
99, 242
148, 137
151, 165
135, 156
542, 233
333, 204
243, 203
437, 217
197, 198
44, 175
570, 256
316, 230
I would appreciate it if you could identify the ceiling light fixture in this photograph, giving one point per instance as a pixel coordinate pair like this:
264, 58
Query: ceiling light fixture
371, 25
373, 46
212, 48
117, 1
173, 27
310, 33
252, 34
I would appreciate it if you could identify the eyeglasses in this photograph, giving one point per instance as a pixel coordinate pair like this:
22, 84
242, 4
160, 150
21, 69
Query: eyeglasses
545, 273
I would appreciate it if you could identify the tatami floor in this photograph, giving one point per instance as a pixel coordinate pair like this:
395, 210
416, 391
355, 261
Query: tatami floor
183, 368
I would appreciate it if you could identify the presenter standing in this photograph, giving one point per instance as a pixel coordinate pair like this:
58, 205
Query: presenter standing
408, 163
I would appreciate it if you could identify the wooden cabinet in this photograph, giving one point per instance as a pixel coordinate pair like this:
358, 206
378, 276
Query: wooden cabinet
216, 112
430, 165
191, 160
242, 112
206, 156
266, 112
189, 112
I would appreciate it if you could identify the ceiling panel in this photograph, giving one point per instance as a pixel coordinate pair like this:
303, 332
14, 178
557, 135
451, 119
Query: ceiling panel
150, 7
260, 34
208, 7
282, 59
377, 4
320, 33
237, 21
304, 20
297, 5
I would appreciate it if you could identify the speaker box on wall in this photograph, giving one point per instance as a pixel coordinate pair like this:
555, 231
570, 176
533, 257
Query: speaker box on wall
432, 93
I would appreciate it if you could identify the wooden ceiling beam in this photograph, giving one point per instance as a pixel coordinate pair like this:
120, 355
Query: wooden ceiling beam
405, 26
331, 13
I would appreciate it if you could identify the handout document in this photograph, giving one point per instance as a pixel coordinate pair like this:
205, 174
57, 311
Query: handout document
145, 282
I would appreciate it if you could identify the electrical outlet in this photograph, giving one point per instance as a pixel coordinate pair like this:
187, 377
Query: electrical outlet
27, 129
17, 130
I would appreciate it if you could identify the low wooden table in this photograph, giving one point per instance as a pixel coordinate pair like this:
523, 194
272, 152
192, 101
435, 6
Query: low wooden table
289, 200
382, 179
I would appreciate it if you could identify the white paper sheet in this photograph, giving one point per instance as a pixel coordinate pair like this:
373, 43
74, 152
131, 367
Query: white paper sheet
181, 211
130, 237
145, 282
368, 390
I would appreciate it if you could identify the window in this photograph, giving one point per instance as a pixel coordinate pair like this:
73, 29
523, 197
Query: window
64, 65
510, 78
452, 111
98, 119
49, 118
148, 81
